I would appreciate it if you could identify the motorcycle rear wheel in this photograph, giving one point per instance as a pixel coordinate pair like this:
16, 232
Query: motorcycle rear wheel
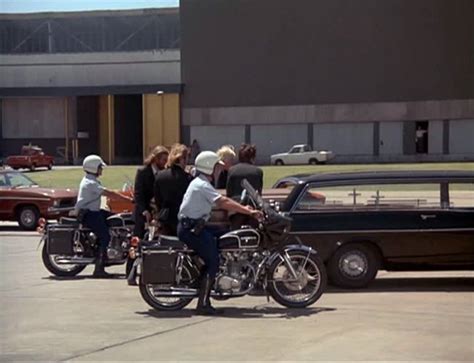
59, 270
304, 291
165, 303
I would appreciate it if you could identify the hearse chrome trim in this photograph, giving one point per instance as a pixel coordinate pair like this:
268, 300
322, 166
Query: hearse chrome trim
386, 231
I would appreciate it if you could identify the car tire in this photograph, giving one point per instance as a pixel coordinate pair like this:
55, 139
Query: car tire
32, 167
354, 265
313, 161
279, 162
50, 166
27, 217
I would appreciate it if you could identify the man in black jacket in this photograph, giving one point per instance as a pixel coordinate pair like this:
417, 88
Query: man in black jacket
170, 186
245, 169
144, 182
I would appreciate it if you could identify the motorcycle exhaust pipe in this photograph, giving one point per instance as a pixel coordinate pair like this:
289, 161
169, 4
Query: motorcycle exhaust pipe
75, 260
181, 292
176, 292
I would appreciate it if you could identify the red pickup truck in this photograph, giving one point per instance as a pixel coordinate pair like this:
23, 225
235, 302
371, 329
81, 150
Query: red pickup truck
31, 157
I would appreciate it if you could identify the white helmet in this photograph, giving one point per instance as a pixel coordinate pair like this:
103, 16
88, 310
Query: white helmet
91, 164
206, 161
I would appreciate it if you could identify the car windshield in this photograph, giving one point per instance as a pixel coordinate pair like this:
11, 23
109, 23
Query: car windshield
15, 180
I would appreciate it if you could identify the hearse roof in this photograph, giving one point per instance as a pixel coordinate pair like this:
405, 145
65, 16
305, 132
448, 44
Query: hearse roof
379, 175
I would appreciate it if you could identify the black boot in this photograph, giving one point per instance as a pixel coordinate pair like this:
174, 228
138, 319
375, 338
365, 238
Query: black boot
204, 301
99, 271
132, 276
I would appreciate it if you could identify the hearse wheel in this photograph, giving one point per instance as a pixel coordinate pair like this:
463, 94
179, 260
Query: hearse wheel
27, 217
354, 265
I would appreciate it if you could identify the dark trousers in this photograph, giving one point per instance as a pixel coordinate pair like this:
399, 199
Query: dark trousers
97, 222
139, 228
205, 245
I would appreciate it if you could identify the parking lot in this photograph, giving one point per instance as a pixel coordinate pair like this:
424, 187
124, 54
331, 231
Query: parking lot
402, 316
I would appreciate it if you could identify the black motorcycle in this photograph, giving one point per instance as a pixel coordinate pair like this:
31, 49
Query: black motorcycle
69, 246
293, 274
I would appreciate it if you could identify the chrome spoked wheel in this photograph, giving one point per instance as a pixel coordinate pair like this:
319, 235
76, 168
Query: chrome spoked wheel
303, 290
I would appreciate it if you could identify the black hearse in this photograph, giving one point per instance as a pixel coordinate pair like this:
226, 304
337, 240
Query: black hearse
397, 220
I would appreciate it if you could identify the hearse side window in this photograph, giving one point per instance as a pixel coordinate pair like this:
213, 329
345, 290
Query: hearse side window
382, 196
461, 195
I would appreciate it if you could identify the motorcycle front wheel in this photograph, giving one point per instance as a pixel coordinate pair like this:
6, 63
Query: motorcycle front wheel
303, 291
166, 303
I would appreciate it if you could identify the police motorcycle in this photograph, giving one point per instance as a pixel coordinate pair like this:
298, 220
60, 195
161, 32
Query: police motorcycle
292, 274
69, 246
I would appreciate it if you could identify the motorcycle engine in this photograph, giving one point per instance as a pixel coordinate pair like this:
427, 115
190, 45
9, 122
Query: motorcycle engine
236, 273
115, 250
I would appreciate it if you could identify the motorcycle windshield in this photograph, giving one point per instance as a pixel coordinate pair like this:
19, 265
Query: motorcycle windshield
252, 193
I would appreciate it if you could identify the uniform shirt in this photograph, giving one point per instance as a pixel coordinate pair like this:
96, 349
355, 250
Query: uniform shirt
90, 191
198, 199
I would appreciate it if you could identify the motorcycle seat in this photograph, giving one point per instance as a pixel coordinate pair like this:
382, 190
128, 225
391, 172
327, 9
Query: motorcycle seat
69, 221
171, 241
115, 221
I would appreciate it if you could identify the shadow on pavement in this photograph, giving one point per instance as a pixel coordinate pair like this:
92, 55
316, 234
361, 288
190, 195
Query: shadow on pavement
11, 228
423, 284
266, 312
84, 277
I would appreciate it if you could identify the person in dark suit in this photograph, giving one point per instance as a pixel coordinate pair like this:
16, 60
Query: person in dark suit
170, 186
144, 183
245, 169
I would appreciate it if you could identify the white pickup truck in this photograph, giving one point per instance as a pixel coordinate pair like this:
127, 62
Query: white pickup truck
301, 154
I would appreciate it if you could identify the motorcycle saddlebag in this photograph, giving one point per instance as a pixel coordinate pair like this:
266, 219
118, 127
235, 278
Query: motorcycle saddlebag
60, 240
158, 264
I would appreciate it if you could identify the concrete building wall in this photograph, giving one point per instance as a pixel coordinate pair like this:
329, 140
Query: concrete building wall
273, 139
461, 137
281, 52
391, 138
345, 138
435, 137
340, 112
33, 118
212, 137
90, 69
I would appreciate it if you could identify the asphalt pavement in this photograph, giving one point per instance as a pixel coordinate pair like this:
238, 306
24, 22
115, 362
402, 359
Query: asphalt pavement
401, 316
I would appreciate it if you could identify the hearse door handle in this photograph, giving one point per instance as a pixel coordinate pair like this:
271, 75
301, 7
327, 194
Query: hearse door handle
427, 216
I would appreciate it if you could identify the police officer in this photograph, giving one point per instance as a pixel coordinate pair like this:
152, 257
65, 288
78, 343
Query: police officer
194, 212
88, 208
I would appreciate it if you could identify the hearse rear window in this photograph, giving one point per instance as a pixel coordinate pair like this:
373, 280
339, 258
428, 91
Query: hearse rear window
461, 195
382, 196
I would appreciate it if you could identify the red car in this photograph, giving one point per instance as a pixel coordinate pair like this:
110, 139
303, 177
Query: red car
24, 201
31, 157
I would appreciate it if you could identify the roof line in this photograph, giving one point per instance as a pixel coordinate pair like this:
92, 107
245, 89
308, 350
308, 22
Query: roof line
96, 13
